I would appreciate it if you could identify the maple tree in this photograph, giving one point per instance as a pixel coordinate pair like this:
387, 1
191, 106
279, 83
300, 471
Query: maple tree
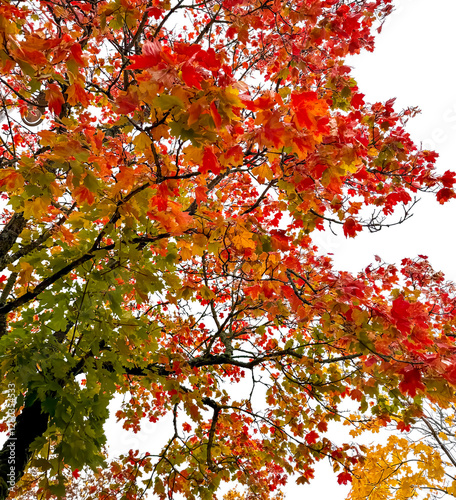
157, 243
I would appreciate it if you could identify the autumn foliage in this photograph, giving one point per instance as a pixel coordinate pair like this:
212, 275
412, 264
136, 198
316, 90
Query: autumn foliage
157, 245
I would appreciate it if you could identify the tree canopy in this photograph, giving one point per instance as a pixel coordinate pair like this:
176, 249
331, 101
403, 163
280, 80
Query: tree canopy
164, 166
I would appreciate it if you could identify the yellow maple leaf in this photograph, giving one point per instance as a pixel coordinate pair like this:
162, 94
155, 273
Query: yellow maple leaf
243, 239
142, 141
263, 172
11, 180
37, 207
26, 273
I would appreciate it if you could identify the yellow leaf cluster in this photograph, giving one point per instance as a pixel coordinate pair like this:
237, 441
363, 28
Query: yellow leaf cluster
399, 470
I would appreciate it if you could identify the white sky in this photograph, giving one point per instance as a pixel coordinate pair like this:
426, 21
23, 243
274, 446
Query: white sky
413, 61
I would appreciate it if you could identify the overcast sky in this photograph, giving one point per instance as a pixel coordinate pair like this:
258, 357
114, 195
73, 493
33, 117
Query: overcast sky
414, 61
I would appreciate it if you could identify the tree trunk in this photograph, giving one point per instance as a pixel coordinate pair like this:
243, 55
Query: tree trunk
16, 453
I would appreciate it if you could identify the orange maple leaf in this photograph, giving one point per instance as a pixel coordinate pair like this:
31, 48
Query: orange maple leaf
54, 98
83, 195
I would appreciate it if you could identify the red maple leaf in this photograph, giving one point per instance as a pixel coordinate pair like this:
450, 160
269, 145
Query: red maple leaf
76, 52
191, 76
448, 179
400, 312
308, 108
357, 100
187, 427
351, 227
210, 162
155, 12
201, 194
311, 437
150, 57
444, 195
126, 102
411, 382
344, 478
403, 427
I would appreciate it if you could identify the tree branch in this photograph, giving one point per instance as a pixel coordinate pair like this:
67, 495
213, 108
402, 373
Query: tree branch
32, 294
11, 232
210, 441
